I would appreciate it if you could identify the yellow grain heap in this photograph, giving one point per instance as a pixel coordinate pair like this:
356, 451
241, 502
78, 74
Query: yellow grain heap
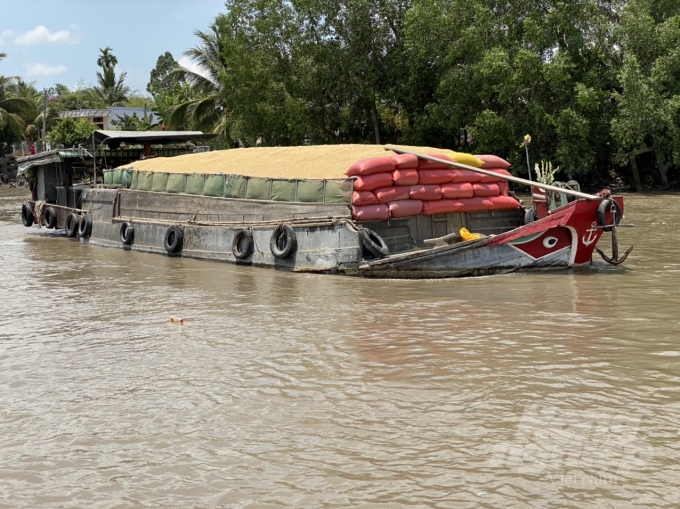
308, 162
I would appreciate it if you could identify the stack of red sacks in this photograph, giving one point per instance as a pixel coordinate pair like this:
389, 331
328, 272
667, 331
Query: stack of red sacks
403, 185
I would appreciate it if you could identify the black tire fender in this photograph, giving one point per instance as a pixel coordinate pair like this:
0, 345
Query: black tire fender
374, 243
72, 224
127, 233
27, 215
50, 217
283, 242
246, 237
174, 239
602, 209
85, 227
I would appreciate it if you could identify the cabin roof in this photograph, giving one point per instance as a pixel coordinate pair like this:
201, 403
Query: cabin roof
114, 138
51, 156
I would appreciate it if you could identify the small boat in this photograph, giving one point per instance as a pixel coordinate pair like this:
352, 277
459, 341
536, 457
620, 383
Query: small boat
324, 236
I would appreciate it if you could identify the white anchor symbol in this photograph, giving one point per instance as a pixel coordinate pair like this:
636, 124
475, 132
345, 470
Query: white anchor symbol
591, 235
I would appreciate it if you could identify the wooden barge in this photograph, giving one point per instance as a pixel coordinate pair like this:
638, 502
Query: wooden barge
323, 237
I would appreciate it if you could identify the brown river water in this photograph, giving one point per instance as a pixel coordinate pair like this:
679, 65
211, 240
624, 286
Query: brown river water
555, 389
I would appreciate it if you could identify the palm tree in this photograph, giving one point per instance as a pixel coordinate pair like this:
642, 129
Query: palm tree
111, 90
13, 107
209, 111
106, 58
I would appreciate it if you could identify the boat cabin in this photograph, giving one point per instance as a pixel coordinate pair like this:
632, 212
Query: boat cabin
59, 176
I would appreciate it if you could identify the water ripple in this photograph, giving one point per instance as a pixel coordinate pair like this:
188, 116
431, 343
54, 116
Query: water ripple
288, 390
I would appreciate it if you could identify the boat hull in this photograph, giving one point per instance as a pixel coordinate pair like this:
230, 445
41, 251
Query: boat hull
328, 241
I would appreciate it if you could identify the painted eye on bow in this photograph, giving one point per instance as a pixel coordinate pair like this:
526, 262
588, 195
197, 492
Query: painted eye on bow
550, 242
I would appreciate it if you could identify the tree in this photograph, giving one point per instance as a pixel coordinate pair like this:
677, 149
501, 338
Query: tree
134, 123
13, 108
71, 133
590, 80
208, 111
648, 99
162, 76
111, 89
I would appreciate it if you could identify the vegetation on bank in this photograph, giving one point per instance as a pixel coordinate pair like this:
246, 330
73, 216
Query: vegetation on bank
591, 80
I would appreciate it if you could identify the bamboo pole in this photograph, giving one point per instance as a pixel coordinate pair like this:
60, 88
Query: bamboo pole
511, 178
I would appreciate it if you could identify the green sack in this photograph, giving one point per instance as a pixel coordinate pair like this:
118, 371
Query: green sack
214, 185
117, 178
283, 190
160, 182
195, 183
259, 189
235, 186
135, 179
145, 181
126, 176
310, 191
338, 191
108, 177
176, 183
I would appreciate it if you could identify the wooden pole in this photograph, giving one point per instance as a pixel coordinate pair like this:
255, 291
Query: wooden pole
511, 178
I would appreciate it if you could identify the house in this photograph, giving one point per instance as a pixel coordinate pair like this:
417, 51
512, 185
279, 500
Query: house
102, 117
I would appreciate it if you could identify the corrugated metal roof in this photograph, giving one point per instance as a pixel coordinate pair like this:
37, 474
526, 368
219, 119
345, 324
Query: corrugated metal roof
53, 156
84, 113
28, 162
114, 138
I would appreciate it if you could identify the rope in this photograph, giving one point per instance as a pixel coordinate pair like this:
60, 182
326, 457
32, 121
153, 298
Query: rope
38, 211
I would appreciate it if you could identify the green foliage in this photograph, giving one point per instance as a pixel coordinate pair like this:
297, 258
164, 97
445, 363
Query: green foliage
69, 132
591, 80
111, 89
134, 123
161, 78
16, 106
205, 106
9, 136
138, 100
648, 99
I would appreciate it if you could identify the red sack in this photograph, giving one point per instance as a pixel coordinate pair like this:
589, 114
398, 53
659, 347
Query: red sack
394, 193
504, 187
476, 204
436, 176
371, 213
405, 161
441, 207
486, 189
467, 176
425, 192
360, 198
492, 180
405, 208
452, 191
372, 182
431, 165
405, 177
504, 202
493, 162
370, 166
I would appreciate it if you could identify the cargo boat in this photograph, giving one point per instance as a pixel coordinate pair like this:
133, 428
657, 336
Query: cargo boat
215, 217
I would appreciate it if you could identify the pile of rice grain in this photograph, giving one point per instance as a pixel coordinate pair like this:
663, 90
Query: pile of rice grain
306, 162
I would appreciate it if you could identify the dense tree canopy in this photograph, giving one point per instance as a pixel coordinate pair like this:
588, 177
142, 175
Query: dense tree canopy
70, 132
591, 80
16, 106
